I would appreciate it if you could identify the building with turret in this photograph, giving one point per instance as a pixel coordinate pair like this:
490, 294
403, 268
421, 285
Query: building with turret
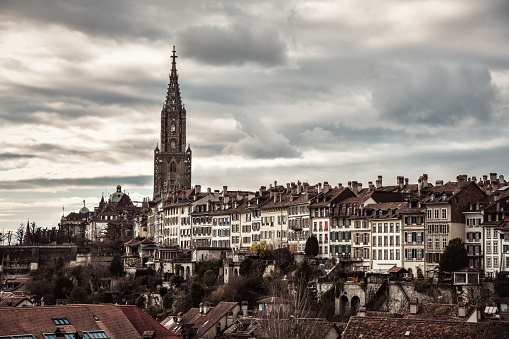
172, 162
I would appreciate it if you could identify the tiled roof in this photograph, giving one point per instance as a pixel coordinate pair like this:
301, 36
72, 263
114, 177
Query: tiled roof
203, 322
368, 327
143, 322
38, 320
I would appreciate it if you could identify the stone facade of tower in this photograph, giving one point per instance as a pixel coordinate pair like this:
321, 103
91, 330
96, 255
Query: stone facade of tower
172, 162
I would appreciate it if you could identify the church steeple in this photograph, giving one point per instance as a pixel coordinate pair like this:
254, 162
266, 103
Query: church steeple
173, 114
172, 163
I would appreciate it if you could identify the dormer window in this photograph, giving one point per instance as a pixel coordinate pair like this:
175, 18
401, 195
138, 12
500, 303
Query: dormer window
444, 196
172, 128
432, 197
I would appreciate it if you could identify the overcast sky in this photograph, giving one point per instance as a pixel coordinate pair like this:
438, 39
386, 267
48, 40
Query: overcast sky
274, 90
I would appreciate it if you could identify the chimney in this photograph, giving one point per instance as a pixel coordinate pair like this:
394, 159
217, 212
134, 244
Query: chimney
362, 312
201, 307
275, 183
209, 191
359, 187
406, 181
474, 179
414, 306
379, 182
354, 187
244, 307
206, 307
371, 186
262, 190
462, 180
225, 191
485, 178
276, 196
229, 319
493, 177
400, 182
319, 187
501, 179
463, 308
179, 317
197, 189
424, 181
299, 187
326, 187
439, 183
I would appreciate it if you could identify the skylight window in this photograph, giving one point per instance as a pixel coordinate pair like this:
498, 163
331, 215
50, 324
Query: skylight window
61, 321
22, 336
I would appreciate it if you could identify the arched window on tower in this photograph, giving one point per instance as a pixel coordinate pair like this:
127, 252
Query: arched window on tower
173, 167
173, 145
172, 128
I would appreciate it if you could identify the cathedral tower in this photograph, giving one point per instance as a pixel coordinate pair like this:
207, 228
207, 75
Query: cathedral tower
172, 163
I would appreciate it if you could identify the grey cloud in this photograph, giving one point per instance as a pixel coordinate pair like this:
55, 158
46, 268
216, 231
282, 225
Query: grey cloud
120, 19
436, 95
9, 156
260, 141
76, 182
233, 45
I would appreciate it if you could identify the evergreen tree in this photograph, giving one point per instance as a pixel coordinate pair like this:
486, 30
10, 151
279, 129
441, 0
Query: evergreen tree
454, 256
311, 248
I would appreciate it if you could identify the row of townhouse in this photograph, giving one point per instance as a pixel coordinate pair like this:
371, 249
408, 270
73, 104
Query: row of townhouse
371, 228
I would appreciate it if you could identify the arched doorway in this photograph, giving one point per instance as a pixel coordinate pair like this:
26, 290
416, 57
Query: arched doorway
356, 304
410, 273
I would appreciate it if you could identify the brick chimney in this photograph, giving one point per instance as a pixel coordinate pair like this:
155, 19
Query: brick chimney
197, 189
439, 183
462, 180
378, 182
354, 187
206, 307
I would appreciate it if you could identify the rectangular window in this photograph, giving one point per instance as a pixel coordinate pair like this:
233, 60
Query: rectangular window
61, 321
488, 262
397, 240
488, 247
437, 213
444, 242
326, 225
495, 262
397, 254
430, 243
488, 233
495, 247
392, 227
437, 243
429, 213
374, 241
444, 213
386, 228
374, 255
397, 227
386, 255
392, 255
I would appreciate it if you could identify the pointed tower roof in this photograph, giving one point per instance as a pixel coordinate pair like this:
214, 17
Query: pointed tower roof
173, 94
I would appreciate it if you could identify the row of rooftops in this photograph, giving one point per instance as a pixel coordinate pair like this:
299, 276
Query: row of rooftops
404, 198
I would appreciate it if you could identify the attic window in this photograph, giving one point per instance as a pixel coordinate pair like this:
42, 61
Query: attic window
96, 318
22, 336
61, 321
407, 333
95, 334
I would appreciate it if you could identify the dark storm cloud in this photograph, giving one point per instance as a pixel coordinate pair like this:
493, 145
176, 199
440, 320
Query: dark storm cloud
111, 19
76, 182
435, 95
10, 156
236, 44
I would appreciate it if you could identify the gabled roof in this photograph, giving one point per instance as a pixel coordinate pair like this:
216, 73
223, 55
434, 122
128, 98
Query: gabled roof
142, 322
38, 320
203, 322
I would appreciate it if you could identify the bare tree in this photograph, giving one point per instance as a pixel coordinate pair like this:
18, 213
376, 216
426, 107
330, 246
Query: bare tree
290, 311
